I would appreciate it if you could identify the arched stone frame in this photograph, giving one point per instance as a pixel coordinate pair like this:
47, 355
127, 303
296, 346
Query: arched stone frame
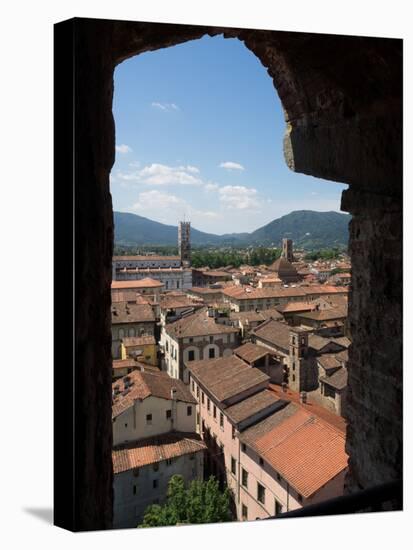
342, 98
207, 347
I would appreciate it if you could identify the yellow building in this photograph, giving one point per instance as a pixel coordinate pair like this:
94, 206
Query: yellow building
142, 348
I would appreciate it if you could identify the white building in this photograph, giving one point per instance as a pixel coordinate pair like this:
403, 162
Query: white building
154, 437
196, 336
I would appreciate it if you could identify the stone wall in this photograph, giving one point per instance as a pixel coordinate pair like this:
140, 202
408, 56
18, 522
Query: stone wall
342, 102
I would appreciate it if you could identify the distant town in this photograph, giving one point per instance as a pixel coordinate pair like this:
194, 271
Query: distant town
238, 372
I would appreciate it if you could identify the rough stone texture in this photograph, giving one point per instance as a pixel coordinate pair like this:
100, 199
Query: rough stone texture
342, 102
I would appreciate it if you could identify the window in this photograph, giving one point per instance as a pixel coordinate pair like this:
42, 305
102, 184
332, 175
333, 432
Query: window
261, 461
177, 284
221, 421
131, 332
155, 467
233, 465
169, 413
147, 357
136, 472
293, 366
193, 386
244, 478
134, 489
126, 425
329, 392
168, 461
243, 448
155, 484
167, 346
211, 353
197, 391
121, 333
214, 412
293, 377
244, 512
211, 339
202, 397
197, 418
233, 432
260, 493
278, 477
208, 404
191, 355
192, 457
278, 507
189, 410
149, 419
191, 340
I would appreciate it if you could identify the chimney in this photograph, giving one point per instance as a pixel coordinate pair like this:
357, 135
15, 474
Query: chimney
303, 397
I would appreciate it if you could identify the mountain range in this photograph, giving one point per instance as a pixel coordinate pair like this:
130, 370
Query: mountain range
307, 228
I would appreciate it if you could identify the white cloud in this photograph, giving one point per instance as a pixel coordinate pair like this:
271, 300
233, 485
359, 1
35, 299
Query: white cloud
238, 197
161, 174
165, 106
154, 199
123, 148
211, 186
228, 165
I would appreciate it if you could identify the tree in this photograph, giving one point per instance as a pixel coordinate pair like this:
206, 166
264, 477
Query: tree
201, 502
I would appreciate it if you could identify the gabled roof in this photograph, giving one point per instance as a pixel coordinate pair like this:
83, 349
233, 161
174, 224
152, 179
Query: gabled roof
337, 380
145, 340
274, 332
252, 405
124, 312
197, 324
139, 385
226, 377
283, 267
147, 282
304, 449
155, 449
250, 352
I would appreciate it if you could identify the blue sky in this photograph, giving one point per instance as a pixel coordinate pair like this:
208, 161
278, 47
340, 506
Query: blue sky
199, 132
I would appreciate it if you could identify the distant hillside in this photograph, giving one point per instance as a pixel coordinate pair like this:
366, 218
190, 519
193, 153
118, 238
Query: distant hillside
307, 228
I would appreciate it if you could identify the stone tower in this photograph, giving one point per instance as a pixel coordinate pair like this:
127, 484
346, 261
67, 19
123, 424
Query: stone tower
298, 352
184, 243
287, 251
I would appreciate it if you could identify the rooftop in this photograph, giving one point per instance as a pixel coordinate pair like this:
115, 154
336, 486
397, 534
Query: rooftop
251, 352
252, 405
155, 449
145, 340
337, 380
147, 282
274, 332
145, 258
142, 384
226, 377
125, 312
198, 324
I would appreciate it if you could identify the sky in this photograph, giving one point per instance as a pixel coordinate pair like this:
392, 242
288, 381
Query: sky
199, 136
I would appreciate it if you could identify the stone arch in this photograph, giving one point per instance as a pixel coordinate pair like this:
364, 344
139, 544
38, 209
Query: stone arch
342, 98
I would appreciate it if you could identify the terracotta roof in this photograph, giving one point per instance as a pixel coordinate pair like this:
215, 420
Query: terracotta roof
143, 384
250, 293
155, 449
123, 295
337, 380
252, 405
198, 324
274, 332
283, 267
325, 314
145, 340
324, 289
227, 376
289, 307
124, 312
250, 352
204, 290
124, 363
253, 316
137, 284
175, 302
306, 451
338, 422
145, 258
329, 362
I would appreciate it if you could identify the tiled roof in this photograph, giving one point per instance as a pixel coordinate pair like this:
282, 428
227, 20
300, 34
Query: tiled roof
283, 267
252, 405
227, 376
139, 283
325, 314
337, 380
123, 295
274, 332
124, 312
289, 307
253, 316
250, 293
250, 352
198, 324
328, 362
144, 340
124, 363
338, 422
144, 384
145, 258
175, 302
155, 449
204, 290
304, 449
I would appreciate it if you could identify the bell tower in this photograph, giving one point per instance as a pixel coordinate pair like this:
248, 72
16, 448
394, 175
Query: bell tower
298, 351
184, 243
287, 250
